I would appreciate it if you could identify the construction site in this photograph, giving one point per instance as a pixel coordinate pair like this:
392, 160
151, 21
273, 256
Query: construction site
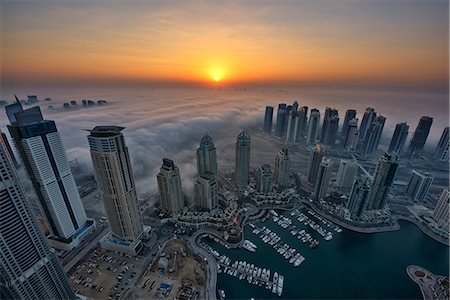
177, 273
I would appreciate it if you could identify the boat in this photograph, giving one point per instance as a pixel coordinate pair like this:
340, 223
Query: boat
222, 294
299, 261
249, 246
280, 285
275, 283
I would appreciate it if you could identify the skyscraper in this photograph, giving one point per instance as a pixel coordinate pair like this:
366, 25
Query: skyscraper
169, 186
323, 179
315, 158
350, 114
313, 126
330, 126
28, 268
292, 127
302, 123
420, 134
115, 180
13, 108
382, 181
206, 188
441, 211
359, 196
206, 156
42, 152
264, 179
295, 106
368, 117
441, 152
282, 168
351, 141
242, 161
399, 138
282, 115
346, 175
268, 119
418, 185
373, 135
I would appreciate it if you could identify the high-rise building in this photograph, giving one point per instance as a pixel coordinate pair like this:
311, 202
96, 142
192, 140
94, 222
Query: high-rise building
10, 151
351, 141
441, 152
399, 138
346, 175
282, 115
383, 179
441, 211
359, 196
13, 108
282, 170
373, 135
268, 119
206, 188
41, 150
418, 185
330, 126
323, 179
242, 161
28, 268
368, 117
420, 135
295, 106
313, 126
315, 158
292, 127
289, 109
169, 186
264, 179
350, 114
301, 127
115, 181
206, 156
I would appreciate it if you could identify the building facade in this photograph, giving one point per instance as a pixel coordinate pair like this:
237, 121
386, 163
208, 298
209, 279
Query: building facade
242, 159
352, 138
441, 211
358, 200
313, 126
315, 158
282, 117
441, 152
42, 153
323, 179
115, 180
28, 268
367, 119
383, 179
206, 156
264, 179
418, 185
420, 135
330, 126
169, 186
350, 114
346, 175
206, 190
373, 136
282, 170
399, 138
268, 118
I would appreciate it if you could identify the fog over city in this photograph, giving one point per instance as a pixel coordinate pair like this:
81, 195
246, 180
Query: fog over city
170, 122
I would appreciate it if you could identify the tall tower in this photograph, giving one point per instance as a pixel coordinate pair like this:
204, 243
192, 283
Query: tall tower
420, 135
350, 114
42, 152
418, 185
315, 158
346, 175
441, 152
330, 126
242, 167
268, 116
300, 128
313, 126
441, 211
399, 138
323, 179
28, 268
368, 117
169, 186
382, 181
206, 188
351, 141
373, 135
115, 180
292, 127
264, 179
359, 196
206, 156
282, 115
282, 168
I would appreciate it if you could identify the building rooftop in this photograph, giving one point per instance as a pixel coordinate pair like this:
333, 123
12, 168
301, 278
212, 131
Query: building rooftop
105, 131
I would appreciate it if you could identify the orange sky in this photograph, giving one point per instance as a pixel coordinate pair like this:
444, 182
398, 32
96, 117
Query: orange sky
393, 42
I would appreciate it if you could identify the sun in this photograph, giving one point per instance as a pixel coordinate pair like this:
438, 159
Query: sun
217, 78
216, 74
